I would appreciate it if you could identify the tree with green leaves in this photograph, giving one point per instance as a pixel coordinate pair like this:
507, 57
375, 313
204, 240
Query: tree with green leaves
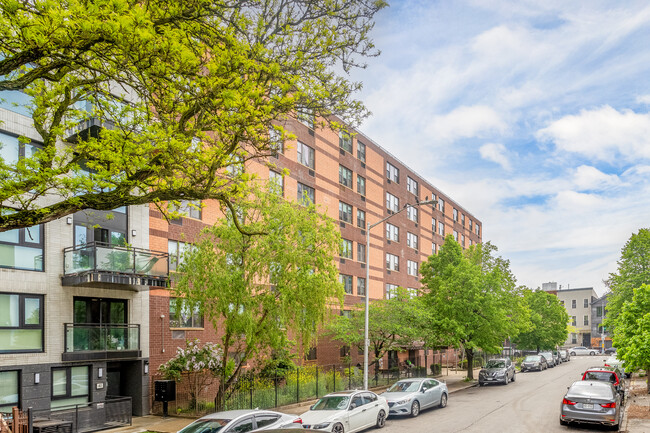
633, 271
548, 322
149, 102
631, 336
473, 297
394, 323
262, 276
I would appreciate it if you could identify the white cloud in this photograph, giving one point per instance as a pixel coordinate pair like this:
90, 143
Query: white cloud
495, 152
590, 178
602, 134
466, 122
643, 99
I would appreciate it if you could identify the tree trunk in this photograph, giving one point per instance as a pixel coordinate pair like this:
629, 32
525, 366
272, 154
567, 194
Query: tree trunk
470, 363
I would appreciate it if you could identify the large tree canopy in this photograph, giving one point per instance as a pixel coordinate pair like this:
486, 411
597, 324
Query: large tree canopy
142, 102
548, 319
263, 280
474, 297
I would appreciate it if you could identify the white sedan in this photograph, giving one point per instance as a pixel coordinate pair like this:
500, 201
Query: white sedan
582, 350
346, 412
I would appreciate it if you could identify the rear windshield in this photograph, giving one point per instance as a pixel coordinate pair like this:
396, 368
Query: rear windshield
603, 376
532, 358
206, 426
585, 389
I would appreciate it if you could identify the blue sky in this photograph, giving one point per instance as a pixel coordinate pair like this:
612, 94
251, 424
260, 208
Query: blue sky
535, 116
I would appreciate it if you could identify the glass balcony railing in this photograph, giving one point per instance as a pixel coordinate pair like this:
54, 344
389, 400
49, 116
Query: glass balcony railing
85, 337
100, 257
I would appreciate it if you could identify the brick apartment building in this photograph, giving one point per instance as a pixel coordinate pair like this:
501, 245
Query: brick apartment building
356, 182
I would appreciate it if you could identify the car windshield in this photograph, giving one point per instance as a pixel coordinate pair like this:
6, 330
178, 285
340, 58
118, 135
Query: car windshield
206, 426
603, 376
405, 386
532, 358
495, 363
335, 402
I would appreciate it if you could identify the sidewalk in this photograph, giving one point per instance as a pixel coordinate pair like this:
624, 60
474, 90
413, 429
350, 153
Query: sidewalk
453, 379
637, 409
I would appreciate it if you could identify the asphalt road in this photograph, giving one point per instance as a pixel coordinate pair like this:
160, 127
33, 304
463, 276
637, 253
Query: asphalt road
530, 404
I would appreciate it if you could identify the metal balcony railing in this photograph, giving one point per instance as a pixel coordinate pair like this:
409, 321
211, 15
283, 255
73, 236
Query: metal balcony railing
85, 337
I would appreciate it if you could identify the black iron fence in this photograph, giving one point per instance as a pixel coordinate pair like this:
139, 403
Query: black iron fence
97, 415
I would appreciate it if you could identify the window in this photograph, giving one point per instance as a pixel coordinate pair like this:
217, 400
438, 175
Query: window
183, 315
462, 219
176, 252
585, 320
413, 292
392, 172
361, 151
433, 225
361, 286
275, 141
392, 262
601, 330
361, 253
412, 213
411, 186
392, 232
346, 249
412, 240
70, 386
390, 290
345, 141
306, 116
456, 235
412, 268
477, 229
574, 338
462, 240
441, 205
277, 179
9, 390
470, 225
305, 155
190, 208
562, 303
392, 202
11, 149
345, 212
345, 176
306, 194
455, 214
586, 303
22, 248
243, 426
361, 185
346, 280
344, 351
441, 229
599, 311
361, 218
311, 354
266, 420
434, 248
573, 321
573, 303
21, 323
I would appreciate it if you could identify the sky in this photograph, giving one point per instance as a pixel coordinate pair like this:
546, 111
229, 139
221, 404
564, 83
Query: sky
534, 116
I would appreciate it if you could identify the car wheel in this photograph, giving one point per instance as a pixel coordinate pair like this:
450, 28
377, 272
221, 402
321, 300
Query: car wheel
573, 354
443, 400
592, 353
415, 409
513, 376
381, 419
338, 428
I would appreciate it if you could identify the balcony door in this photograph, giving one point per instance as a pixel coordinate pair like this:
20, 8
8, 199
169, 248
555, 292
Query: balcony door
100, 324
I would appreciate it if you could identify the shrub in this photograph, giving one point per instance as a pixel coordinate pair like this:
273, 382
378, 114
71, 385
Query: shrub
436, 369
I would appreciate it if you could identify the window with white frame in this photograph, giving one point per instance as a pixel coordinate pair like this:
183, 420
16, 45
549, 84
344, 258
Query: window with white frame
456, 235
176, 250
586, 303
462, 240
413, 292
433, 225
345, 212
276, 142
412, 213
305, 155
361, 185
346, 280
361, 286
9, 390
441, 205
345, 141
455, 212
477, 229
392, 262
585, 320
412, 240
361, 253
441, 228
392, 172
184, 315
346, 249
392, 202
361, 151
470, 225
306, 116
306, 194
434, 248
574, 338
573, 321
411, 185
277, 179
462, 219
392, 232
412, 268
361, 218
391, 290
573, 303
345, 176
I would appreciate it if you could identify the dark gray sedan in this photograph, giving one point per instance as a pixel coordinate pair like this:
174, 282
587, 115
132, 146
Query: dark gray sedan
533, 362
500, 370
591, 402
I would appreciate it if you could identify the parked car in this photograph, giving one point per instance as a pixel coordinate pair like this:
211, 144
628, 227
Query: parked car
582, 350
591, 401
557, 357
610, 351
566, 356
249, 420
605, 374
497, 370
346, 412
613, 361
549, 358
533, 362
410, 396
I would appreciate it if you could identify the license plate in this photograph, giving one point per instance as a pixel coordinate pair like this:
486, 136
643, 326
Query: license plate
489, 378
587, 406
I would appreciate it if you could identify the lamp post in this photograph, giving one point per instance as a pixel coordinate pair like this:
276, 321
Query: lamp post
366, 340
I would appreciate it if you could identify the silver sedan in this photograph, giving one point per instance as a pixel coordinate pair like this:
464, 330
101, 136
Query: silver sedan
242, 421
409, 396
591, 402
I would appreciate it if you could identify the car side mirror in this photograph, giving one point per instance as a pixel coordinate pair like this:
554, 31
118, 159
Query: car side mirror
353, 406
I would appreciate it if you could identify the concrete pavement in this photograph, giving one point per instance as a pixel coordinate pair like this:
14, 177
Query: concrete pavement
455, 381
637, 409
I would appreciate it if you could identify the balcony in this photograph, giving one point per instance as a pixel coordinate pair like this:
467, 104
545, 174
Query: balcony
93, 341
102, 265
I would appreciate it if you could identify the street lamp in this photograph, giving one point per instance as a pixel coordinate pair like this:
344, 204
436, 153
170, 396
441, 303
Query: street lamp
366, 340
